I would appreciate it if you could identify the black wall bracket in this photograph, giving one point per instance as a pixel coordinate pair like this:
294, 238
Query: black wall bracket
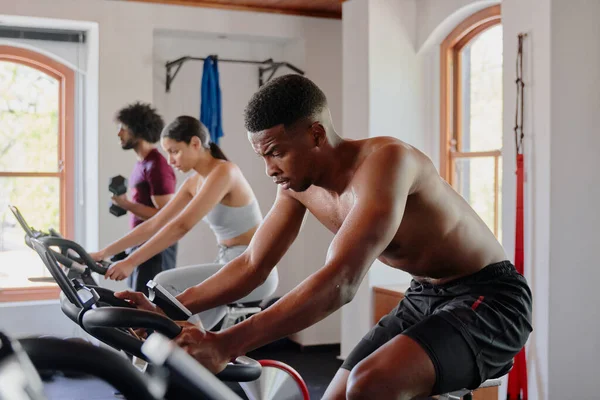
266, 66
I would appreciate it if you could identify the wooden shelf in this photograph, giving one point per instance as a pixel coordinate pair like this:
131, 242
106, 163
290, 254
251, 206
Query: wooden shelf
385, 298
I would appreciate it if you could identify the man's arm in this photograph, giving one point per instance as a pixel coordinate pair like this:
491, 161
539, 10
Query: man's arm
246, 272
143, 211
161, 181
382, 185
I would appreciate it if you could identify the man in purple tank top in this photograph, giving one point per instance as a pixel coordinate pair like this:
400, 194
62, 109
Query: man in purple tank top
151, 184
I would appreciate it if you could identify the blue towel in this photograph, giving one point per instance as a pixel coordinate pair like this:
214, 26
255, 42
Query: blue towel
210, 99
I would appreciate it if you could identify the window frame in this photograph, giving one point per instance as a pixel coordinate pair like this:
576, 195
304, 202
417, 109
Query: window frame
451, 98
66, 79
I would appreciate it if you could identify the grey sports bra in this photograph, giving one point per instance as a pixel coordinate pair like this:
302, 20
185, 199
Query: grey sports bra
228, 222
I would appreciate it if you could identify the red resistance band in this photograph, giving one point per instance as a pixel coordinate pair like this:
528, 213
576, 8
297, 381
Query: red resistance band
517, 377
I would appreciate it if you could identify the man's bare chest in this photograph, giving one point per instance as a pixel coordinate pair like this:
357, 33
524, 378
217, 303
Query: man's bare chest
330, 210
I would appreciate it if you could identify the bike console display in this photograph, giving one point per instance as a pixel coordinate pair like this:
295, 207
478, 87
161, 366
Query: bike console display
167, 302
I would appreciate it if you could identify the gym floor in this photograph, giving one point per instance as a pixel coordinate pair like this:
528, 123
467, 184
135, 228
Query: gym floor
317, 365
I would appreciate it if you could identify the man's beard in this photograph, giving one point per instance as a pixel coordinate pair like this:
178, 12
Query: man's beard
130, 144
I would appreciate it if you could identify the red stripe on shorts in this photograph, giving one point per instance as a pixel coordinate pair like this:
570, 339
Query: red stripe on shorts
477, 302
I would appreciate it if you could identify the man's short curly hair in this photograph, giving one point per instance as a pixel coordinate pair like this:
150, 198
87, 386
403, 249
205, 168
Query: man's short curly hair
283, 100
142, 120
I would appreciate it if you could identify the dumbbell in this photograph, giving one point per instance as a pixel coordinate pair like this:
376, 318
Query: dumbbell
117, 186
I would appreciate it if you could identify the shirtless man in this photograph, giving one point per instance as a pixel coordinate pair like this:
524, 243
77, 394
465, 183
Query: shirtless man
467, 312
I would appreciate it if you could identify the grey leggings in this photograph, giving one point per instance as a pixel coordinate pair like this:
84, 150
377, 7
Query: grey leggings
226, 254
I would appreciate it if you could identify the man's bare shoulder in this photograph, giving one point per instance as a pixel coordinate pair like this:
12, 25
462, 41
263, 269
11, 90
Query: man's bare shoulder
387, 159
384, 152
384, 145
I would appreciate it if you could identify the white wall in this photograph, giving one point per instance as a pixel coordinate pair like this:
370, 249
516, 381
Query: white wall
394, 91
574, 327
356, 316
394, 75
128, 72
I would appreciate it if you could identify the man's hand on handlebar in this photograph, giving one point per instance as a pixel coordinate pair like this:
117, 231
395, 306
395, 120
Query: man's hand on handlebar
204, 346
139, 300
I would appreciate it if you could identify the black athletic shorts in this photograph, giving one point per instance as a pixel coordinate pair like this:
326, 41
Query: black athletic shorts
471, 328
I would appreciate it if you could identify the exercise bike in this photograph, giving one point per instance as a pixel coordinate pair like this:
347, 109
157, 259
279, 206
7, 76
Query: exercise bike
89, 305
20, 361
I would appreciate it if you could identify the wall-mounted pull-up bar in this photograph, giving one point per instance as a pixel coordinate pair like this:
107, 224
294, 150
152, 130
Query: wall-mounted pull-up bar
269, 65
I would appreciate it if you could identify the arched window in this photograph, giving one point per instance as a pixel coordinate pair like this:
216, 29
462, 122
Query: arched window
36, 168
471, 113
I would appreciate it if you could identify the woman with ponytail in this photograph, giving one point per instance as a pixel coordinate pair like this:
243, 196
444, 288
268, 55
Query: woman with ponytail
217, 192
